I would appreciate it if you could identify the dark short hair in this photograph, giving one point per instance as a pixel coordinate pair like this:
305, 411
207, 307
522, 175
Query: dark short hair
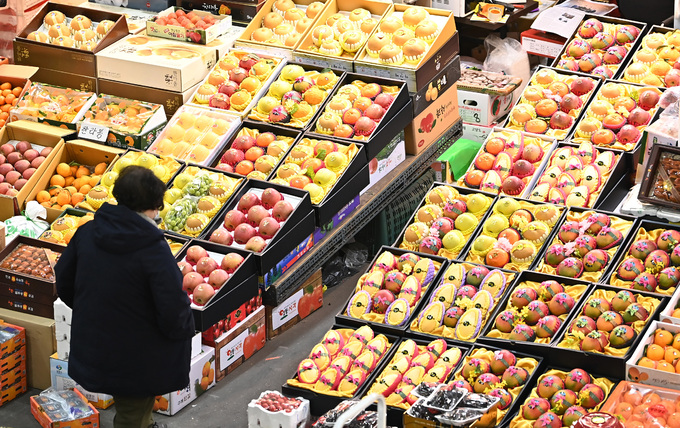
139, 189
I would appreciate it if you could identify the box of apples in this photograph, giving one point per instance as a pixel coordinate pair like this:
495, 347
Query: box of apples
266, 219
217, 279
194, 26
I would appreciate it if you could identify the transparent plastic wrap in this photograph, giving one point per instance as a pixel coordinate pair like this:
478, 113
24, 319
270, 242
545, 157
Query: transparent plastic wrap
635, 404
507, 56
668, 122
63, 405
365, 419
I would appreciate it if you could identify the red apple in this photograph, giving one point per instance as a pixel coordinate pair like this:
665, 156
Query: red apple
232, 219
23, 145
270, 197
4, 187
7, 149
247, 201
217, 278
243, 143
205, 265
31, 154
35, 163
14, 157
268, 227
282, 210
256, 244
221, 236
256, 214
46, 151
195, 253
5, 168
3, 159
191, 281
224, 167
185, 267
228, 88
243, 233
22, 165
28, 173
230, 262
12, 177
20, 183
237, 74
202, 294
12, 192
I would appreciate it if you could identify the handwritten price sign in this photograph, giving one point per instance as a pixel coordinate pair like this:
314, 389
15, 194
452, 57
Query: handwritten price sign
90, 131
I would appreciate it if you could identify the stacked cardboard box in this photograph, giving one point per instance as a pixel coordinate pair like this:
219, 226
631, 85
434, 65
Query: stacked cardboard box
13, 361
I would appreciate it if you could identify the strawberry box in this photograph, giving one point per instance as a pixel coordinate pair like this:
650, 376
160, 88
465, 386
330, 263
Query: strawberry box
165, 25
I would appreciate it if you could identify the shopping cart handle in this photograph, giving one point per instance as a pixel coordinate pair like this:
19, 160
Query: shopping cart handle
360, 407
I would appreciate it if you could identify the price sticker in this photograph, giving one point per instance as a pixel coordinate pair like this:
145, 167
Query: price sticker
90, 131
286, 311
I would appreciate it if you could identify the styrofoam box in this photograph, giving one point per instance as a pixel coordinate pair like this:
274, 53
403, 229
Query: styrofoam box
62, 313
666, 314
259, 417
646, 375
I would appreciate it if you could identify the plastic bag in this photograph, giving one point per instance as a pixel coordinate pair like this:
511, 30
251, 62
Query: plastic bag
509, 57
28, 223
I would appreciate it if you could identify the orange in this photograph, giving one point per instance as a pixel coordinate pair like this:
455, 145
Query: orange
623, 409
47, 204
78, 182
63, 197
673, 420
4, 115
69, 180
74, 168
9, 98
6, 85
6, 92
84, 189
56, 206
676, 313
82, 171
94, 180
7, 106
633, 397
647, 362
77, 197
665, 366
676, 341
64, 170
669, 405
100, 168
16, 91
655, 352
671, 355
663, 337
651, 398
2, 100
677, 367
57, 180
71, 189
634, 424
42, 196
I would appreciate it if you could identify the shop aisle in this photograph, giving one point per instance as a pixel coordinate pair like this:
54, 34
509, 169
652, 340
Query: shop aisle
224, 406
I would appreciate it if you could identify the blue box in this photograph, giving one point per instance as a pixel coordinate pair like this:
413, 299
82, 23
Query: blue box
286, 263
321, 231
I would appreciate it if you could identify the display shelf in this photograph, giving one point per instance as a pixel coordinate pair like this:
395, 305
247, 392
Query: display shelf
379, 196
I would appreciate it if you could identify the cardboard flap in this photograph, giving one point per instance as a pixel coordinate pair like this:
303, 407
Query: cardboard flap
25, 125
17, 71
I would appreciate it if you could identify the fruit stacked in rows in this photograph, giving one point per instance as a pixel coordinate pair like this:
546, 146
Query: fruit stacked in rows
193, 134
663, 353
413, 364
656, 61
120, 114
30, 260
275, 402
343, 33
506, 163
617, 116
235, 81
599, 48
193, 200
69, 184
609, 322
391, 289
551, 104
56, 103
652, 262
356, 110
286, 23
203, 274
462, 302
315, 166
584, 245
574, 176
9, 96
254, 154
640, 405
188, 20
253, 222
233, 319
341, 361
561, 398
62, 229
163, 167
498, 373
294, 97
18, 162
513, 234
76, 32
536, 311
445, 223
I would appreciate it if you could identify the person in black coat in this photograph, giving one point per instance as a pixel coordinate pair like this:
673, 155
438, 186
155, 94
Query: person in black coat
132, 322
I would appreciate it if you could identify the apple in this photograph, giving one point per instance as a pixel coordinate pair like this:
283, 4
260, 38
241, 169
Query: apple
22, 165
191, 281
256, 214
3, 159
4, 187
230, 262
12, 177
243, 233
35, 163
256, 244
20, 183
185, 267
202, 294
7, 149
28, 173
31, 154
5, 168
46, 151
23, 145
195, 253
12, 192
205, 265
224, 167
222, 236
14, 157
217, 278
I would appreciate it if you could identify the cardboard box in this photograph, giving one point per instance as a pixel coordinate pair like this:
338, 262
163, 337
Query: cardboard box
476, 132
147, 5
321, 231
135, 19
156, 63
268, 278
459, 8
181, 34
255, 23
636, 373
442, 51
482, 109
170, 100
13, 345
201, 379
59, 58
240, 343
543, 44
434, 121
294, 309
61, 380
447, 75
13, 375
14, 359
239, 11
389, 158
306, 52
67, 80
28, 108
40, 344
80, 151
46, 422
17, 75
11, 392
38, 133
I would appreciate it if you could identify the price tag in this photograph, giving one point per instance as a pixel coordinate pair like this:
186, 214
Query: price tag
90, 131
286, 311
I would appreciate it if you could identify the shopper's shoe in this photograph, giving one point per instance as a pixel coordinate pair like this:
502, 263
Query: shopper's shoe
157, 425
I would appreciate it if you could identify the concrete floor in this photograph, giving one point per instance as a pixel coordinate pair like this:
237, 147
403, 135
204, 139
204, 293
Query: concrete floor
224, 406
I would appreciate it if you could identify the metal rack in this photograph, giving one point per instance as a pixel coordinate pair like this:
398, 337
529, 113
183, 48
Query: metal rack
380, 195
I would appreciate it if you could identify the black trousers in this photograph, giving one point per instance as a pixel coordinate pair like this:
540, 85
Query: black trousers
133, 412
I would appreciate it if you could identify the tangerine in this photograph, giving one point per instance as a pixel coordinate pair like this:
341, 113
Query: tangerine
633, 397
74, 168
673, 420
676, 339
42, 196
64, 170
100, 168
634, 424
474, 178
16, 91
625, 410
647, 362
677, 367
651, 398
77, 197
94, 180
665, 366
63, 197
82, 171
672, 355
676, 313
495, 145
663, 337
5, 85
85, 189
655, 352
69, 180
57, 180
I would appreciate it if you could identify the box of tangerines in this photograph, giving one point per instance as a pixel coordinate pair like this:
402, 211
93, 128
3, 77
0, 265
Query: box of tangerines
14, 81
656, 360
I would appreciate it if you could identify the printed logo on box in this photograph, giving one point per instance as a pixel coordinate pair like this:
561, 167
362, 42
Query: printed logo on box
232, 351
286, 310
